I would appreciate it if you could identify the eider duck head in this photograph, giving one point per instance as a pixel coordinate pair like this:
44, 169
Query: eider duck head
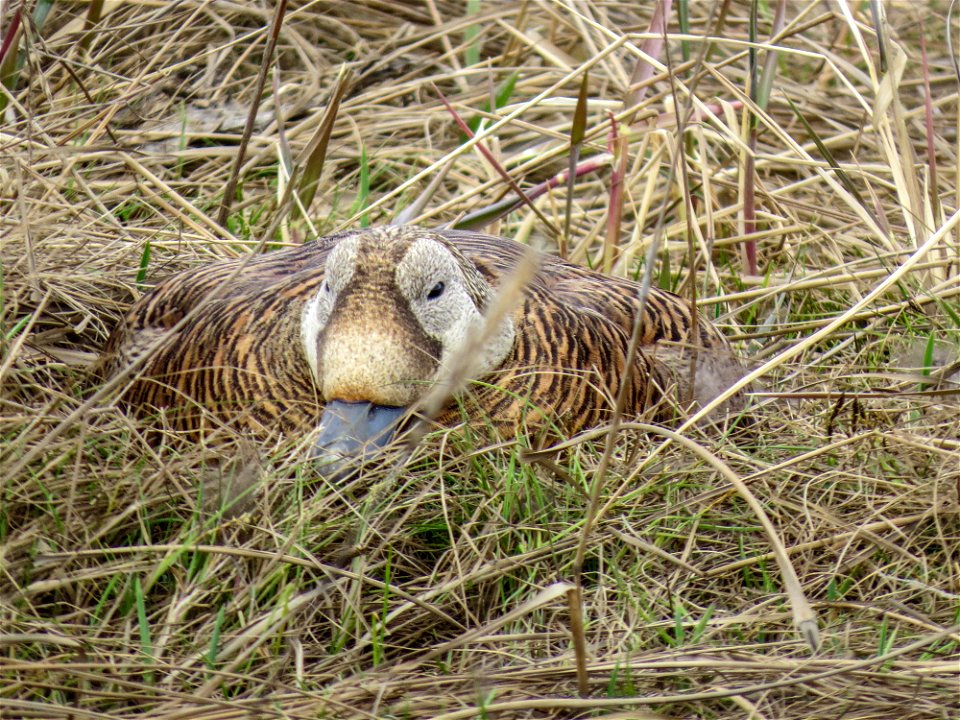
395, 307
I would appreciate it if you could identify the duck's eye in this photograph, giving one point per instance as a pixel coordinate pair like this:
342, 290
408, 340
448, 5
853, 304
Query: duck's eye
436, 291
326, 287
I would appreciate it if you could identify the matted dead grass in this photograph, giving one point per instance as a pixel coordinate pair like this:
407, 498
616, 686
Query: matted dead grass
442, 591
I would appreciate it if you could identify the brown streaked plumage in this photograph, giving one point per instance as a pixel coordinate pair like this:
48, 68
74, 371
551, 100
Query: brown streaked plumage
373, 315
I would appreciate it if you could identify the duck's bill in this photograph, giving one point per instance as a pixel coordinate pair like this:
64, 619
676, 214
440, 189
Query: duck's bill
351, 433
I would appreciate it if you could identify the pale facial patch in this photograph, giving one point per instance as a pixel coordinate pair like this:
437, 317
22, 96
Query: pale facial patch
451, 316
340, 267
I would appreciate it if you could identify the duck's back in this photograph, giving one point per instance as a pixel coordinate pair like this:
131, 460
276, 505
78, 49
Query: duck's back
569, 362
221, 344
666, 315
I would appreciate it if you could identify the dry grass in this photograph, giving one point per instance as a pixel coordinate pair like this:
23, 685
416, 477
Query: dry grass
124, 589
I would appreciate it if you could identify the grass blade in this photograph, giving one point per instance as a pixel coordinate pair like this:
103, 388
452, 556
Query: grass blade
652, 47
471, 54
619, 148
144, 264
578, 130
94, 13
497, 166
315, 154
931, 133
143, 624
211, 658
841, 174
478, 219
9, 51
234, 177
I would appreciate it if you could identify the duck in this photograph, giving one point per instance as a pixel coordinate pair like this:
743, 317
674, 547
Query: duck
346, 335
